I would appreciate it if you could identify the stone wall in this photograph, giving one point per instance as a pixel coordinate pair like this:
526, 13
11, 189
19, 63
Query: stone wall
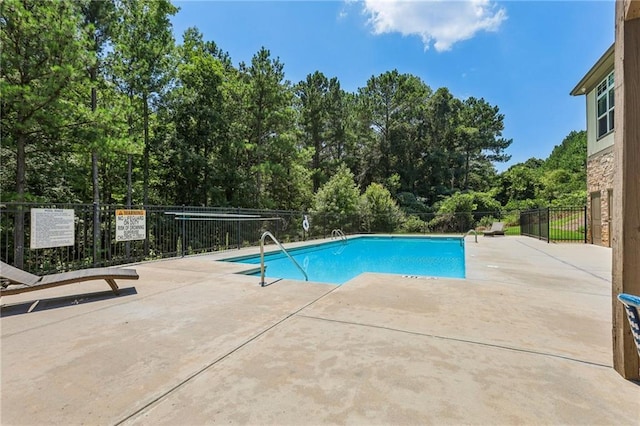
600, 179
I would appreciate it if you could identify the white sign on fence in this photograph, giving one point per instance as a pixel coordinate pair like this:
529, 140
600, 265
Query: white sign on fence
52, 228
131, 225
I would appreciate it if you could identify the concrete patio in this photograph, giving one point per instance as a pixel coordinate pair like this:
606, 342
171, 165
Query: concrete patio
524, 339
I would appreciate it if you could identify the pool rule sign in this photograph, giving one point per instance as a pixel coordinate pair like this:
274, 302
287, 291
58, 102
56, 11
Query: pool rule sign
131, 225
52, 228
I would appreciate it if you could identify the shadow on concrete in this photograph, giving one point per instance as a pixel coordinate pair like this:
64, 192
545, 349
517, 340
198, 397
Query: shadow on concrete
61, 302
272, 282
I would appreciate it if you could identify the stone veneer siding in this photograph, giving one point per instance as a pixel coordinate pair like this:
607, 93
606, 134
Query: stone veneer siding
600, 178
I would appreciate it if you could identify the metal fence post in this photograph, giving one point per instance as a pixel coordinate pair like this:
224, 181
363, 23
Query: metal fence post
96, 233
239, 239
184, 231
539, 226
18, 237
145, 244
584, 209
548, 225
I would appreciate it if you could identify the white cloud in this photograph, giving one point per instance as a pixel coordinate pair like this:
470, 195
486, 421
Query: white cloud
439, 22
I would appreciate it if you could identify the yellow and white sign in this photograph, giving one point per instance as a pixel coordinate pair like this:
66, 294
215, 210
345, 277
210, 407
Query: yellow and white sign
131, 225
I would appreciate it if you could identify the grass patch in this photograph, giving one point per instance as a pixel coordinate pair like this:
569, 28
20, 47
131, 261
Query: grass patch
512, 230
555, 233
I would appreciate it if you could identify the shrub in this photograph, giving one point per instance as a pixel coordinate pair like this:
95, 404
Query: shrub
379, 211
411, 204
337, 199
454, 214
487, 221
413, 224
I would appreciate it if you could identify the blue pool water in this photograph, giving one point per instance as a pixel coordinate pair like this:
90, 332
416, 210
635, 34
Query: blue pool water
337, 262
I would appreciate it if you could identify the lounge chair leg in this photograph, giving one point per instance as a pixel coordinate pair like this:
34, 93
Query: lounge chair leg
113, 285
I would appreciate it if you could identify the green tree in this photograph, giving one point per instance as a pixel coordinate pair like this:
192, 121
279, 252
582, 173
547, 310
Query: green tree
454, 213
325, 116
337, 200
393, 103
441, 158
379, 212
99, 16
555, 183
480, 132
486, 205
340, 132
519, 183
43, 58
312, 94
199, 128
571, 155
269, 132
141, 61
560, 180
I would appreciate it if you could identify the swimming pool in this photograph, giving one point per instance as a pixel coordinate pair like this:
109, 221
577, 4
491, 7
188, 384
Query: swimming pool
339, 261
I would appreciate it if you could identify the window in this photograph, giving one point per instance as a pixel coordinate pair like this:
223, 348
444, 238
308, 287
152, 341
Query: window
605, 100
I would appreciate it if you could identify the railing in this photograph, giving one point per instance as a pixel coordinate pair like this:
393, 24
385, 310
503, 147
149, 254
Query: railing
474, 233
270, 235
560, 224
175, 231
337, 233
171, 231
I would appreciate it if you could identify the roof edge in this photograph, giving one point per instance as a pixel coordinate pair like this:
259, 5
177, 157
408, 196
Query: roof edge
581, 87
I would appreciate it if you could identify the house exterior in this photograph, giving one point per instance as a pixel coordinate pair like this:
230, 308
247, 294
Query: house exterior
598, 87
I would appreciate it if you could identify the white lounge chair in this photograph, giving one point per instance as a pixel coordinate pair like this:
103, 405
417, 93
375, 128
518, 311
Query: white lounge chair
17, 281
497, 228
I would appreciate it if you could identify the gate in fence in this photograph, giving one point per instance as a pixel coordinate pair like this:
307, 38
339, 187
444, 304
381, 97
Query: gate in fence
560, 224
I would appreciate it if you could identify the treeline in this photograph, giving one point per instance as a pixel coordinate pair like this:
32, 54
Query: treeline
99, 104
558, 181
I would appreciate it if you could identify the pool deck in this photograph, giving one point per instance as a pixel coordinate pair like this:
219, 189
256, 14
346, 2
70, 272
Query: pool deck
524, 339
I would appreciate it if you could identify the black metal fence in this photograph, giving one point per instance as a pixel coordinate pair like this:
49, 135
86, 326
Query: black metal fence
173, 231
170, 231
560, 224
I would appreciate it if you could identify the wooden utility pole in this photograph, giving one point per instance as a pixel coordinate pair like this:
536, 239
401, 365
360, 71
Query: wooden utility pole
626, 195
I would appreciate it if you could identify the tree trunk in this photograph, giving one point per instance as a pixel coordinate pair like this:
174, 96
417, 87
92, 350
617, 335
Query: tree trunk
18, 249
466, 170
145, 183
129, 170
95, 179
316, 163
127, 244
145, 159
129, 166
205, 177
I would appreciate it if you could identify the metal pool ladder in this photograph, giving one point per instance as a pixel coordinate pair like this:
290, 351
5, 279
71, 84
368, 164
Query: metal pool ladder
270, 235
474, 233
337, 233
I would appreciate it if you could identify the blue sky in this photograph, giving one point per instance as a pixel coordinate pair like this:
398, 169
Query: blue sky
523, 56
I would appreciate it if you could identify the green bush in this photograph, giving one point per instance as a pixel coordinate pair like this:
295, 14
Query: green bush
379, 211
413, 224
486, 221
454, 214
571, 199
484, 203
411, 204
338, 199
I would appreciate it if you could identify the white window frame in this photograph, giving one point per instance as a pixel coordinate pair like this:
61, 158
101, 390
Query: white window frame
605, 97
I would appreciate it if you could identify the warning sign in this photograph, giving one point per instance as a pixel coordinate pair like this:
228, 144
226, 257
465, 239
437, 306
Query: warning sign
131, 225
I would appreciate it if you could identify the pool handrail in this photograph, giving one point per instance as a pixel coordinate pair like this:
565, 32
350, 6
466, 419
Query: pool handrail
474, 233
273, 238
337, 233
